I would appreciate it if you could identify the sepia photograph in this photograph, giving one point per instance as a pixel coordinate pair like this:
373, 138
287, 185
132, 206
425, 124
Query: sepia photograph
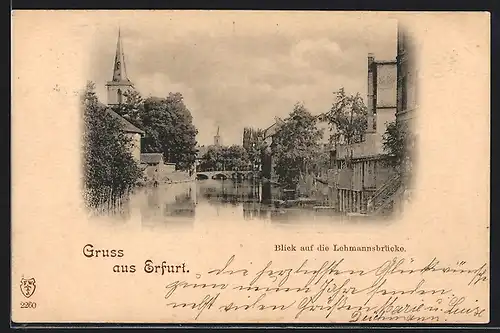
250, 167
282, 126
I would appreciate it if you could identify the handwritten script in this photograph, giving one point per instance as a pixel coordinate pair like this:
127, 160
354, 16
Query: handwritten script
395, 290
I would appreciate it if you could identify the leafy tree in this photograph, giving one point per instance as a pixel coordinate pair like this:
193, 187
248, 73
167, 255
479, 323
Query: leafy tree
230, 158
253, 143
132, 108
235, 158
169, 129
347, 118
296, 146
110, 171
399, 144
323, 161
212, 159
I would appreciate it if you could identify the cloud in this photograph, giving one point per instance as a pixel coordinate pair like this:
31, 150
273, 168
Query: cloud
243, 73
308, 51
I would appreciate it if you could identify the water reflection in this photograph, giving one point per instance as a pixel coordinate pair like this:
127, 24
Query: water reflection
228, 191
167, 205
181, 205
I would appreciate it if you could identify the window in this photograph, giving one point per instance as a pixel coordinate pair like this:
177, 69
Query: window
120, 97
363, 167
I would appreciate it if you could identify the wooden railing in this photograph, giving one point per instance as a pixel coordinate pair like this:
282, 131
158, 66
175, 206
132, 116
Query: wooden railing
383, 195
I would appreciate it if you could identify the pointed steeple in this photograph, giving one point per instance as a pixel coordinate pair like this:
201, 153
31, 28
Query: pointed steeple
120, 83
119, 70
217, 141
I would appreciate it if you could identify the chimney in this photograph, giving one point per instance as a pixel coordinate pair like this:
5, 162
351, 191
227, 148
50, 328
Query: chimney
372, 76
371, 60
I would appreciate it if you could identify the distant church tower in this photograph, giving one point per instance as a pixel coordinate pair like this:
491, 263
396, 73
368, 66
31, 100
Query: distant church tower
120, 83
217, 138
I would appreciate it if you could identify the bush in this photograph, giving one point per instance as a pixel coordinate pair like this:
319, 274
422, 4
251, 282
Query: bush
110, 172
398, 143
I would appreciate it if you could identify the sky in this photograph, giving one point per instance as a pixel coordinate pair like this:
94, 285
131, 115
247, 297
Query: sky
238, 69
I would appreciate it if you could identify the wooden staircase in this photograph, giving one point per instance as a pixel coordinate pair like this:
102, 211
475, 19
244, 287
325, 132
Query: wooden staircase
384, 196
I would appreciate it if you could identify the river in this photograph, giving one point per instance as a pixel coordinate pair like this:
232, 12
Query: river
215, 202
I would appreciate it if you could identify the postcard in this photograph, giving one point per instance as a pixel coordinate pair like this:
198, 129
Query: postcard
250, 167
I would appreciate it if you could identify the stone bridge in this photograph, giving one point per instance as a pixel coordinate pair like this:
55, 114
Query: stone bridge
226, 174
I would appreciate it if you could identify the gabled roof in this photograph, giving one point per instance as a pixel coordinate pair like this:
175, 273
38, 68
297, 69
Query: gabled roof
151, 158
274, 128
127, 126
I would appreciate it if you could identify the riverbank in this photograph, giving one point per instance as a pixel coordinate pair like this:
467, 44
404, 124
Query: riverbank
173, 177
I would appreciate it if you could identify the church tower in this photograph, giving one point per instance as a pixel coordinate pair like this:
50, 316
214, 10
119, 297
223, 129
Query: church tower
217, 138
120, 83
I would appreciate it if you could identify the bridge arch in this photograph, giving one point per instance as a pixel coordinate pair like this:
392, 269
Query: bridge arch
220, 175
240, 174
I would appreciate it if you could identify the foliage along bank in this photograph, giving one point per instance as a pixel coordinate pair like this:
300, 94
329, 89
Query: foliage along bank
109, 170
168, 124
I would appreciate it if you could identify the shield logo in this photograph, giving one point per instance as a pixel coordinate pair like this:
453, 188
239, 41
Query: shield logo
28, 287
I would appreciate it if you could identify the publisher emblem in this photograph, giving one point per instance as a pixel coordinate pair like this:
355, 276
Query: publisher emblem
28, 287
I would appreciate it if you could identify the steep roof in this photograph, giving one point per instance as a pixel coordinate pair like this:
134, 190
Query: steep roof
274, 128
151, 158
119, 69
127, 126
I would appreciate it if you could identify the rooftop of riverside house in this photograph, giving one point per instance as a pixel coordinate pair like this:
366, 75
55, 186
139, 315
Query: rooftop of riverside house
151, 158
127, 126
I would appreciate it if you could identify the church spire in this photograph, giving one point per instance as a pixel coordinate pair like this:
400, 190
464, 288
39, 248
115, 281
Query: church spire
120, 83
119, 70
217, 141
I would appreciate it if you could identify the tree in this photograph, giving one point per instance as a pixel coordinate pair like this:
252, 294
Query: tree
235, 158
323, 161
169, 129
110, 171
347, 118
399, 144
212, 159
253, 143
133, 107
296, 145
230, 158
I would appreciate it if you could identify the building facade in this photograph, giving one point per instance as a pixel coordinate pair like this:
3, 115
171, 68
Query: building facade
132, 132
408, 104
360, 169
363, 180
407, 79
153, 165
